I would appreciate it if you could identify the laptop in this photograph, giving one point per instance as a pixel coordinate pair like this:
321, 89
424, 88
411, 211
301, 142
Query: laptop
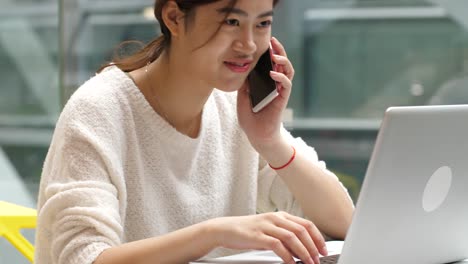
413, 204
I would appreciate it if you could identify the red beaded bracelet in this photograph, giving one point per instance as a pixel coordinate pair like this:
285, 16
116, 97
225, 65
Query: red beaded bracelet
287, 163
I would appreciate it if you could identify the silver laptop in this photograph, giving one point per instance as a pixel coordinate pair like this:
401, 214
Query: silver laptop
413, 204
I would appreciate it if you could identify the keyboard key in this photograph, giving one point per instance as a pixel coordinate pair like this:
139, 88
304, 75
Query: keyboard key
332, 259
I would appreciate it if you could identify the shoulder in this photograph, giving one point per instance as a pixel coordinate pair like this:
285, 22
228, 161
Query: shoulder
103, 90
101, 103
107, 91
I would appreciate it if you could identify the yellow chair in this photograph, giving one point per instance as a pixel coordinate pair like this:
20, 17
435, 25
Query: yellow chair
12, 219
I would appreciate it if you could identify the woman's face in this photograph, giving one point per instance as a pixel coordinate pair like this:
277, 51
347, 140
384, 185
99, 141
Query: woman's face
223, 60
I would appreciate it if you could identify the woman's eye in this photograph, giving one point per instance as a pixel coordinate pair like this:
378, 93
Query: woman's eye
232, 22
266, 23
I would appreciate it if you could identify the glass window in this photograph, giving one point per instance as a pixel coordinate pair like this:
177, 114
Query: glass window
29, 101
29, 93
93, 31
370, 58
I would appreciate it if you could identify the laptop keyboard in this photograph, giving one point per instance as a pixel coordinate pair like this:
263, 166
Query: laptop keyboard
333, 259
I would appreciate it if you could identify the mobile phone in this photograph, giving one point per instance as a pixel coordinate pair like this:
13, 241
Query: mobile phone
263, 89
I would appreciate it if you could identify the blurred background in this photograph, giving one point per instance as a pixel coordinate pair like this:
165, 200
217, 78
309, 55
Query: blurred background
353, 59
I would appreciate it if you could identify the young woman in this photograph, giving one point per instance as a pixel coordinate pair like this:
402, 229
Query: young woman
150, 163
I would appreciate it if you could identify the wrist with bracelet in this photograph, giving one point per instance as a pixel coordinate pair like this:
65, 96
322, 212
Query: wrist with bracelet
287, 163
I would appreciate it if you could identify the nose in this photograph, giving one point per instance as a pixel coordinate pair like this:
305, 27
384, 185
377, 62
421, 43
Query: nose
245, 43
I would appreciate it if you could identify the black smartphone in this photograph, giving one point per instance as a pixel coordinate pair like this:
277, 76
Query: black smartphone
263, 89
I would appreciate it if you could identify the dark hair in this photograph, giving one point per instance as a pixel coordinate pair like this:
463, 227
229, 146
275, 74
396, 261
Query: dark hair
151, 51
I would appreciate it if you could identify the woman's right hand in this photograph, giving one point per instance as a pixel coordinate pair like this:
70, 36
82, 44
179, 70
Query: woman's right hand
285, 234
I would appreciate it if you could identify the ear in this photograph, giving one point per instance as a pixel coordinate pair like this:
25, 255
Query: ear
173, 18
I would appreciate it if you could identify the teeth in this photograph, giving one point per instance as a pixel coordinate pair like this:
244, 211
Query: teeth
238, 64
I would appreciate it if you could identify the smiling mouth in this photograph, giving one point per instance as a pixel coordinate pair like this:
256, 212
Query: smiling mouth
238, 67
237, 64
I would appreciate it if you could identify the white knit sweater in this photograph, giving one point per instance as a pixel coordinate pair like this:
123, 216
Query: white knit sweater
117, 172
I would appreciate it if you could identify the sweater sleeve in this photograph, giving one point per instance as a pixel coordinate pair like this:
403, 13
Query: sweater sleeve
273, 194
82, 194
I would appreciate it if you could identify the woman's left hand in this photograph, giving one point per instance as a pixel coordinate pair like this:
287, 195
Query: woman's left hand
263, 128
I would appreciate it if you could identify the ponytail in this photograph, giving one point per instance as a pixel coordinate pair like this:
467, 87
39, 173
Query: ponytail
142, 57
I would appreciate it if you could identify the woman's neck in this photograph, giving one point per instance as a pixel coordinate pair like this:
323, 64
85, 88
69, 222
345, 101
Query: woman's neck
174, 97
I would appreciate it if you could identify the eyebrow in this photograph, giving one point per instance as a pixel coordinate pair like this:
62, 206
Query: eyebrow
233, 10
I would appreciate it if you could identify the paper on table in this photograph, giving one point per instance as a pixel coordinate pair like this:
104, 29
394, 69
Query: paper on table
264, 257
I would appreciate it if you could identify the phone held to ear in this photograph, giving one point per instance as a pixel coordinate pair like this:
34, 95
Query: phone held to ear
263, 89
